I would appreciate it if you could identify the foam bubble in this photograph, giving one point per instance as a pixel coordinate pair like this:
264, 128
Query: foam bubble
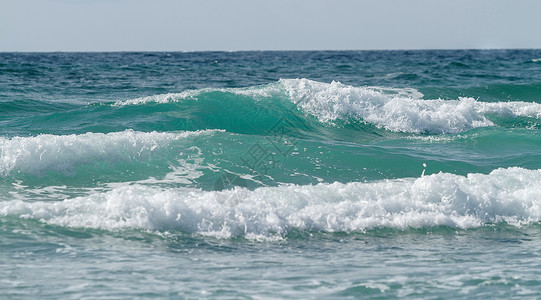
510, 195
62, 152
404, 112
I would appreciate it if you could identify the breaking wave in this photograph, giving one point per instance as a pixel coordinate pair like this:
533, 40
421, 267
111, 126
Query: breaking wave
393, 109
511, 196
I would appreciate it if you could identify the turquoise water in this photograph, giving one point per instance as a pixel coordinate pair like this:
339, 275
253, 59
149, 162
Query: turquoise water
371, 174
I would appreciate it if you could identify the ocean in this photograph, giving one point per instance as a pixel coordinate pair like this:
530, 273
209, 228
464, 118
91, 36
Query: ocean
264, 175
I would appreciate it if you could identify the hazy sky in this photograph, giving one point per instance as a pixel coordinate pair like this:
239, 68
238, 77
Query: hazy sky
178, 25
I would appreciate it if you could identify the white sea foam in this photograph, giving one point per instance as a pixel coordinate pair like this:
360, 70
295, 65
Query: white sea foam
399, 112
255, 92
441, 138
510, 195
62, 152
161, 98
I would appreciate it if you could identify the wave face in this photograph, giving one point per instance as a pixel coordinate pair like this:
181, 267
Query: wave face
311, 108
392, 109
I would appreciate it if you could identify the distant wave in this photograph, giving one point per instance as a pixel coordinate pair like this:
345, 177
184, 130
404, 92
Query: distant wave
398, 110
509, 196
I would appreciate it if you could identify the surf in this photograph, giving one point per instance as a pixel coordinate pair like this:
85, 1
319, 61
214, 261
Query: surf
504, 196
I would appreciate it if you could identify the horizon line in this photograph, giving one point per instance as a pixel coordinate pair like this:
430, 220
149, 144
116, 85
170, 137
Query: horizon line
296, 50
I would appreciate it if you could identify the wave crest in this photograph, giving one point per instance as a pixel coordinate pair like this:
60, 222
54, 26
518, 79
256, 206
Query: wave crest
394, 109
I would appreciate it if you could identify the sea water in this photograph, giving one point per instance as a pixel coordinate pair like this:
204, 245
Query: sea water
357, 174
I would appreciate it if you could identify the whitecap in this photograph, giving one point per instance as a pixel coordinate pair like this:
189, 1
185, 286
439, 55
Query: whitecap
61, 152
511, 195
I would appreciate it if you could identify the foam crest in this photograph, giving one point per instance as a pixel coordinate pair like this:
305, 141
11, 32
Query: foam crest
161, 98
263, 91
505, 195
403, 111
63, 152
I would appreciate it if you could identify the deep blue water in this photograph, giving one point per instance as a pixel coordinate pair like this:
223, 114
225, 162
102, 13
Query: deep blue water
318, 174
